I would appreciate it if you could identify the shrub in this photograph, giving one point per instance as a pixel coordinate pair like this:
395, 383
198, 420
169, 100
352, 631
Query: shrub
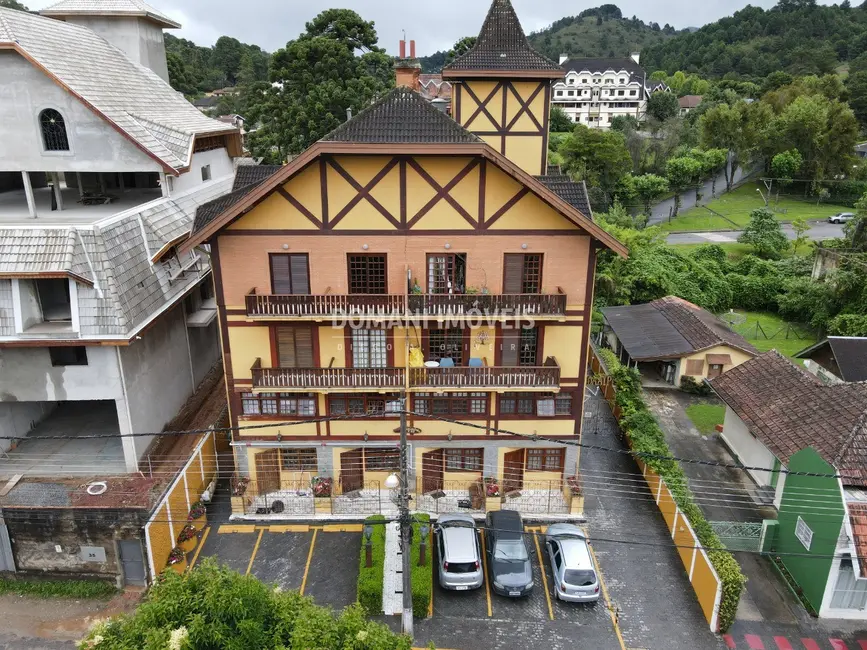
370, 578
690, 385
215, 607
648, 441
57, 588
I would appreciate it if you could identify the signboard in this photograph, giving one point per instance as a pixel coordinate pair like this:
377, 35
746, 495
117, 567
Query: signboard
93, 554
804, 533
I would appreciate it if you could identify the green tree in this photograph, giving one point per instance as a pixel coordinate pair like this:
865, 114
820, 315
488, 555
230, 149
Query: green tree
227, 58
682, 174
714, 162
333, 66
560, 122
648, 188
662, 106
801, 227
739, 129
13, 4
596, 156
215, 607
764, 234
624, 123
856, 85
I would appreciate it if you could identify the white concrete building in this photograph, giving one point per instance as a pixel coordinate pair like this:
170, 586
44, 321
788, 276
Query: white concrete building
597, 90
103, 327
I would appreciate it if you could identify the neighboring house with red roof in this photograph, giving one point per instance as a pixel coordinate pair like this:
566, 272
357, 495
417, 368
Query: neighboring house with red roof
688, 103
804, 443
670, 338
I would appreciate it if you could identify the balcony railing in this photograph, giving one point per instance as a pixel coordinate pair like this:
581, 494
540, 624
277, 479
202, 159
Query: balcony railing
487, 377
325, 378
406, 306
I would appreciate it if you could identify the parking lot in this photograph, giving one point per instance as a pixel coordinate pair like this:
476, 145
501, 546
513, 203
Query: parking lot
322, 562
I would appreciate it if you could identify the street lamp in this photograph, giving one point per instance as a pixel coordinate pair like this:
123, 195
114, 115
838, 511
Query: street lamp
392, 481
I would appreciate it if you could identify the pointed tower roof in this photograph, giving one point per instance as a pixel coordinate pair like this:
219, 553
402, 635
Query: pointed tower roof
402, 117
137, 8
502, 50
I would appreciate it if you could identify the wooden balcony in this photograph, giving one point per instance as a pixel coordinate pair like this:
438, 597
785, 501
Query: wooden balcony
400, 306
316, 379
519, 378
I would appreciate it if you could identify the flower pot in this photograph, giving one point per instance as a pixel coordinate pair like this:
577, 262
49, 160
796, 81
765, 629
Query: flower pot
200, 522
189, 544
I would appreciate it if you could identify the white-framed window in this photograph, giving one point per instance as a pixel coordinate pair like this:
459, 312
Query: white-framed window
559, 93
804, 533
369, 348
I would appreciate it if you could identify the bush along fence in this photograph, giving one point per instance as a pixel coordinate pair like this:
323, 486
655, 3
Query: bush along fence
422, 576
714, 574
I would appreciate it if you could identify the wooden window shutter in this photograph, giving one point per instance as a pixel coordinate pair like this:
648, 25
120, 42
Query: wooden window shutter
511, 342
286, 347
513, 275
694, 366
300, 277
281, 278
304, 347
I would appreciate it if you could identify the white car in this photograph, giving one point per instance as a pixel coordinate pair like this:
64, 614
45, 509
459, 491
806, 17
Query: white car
841, 217
576, 578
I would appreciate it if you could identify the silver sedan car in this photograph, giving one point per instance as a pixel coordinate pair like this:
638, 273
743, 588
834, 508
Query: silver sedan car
460, 557
576, 578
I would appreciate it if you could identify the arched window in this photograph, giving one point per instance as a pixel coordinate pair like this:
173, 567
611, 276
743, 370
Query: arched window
53, 130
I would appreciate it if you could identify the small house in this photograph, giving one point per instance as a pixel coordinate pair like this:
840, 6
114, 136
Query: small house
837, 358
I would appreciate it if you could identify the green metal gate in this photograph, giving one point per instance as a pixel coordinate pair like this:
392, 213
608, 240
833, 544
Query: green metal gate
739, 535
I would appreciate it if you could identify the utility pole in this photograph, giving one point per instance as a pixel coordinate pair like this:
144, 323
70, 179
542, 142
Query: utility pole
405, 525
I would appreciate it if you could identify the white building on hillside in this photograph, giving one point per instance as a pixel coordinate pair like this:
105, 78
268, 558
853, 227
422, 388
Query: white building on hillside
103, 327
597, 90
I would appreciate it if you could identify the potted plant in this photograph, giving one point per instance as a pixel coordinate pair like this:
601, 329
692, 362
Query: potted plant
493, 494
321, 486
492, 488
198, 513
576, 495
187, 538
177, 560
239, 489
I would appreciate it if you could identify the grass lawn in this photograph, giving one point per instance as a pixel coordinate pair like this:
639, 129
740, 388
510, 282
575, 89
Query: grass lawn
706, 416
77, 589
734, 250
769, 331
736, 206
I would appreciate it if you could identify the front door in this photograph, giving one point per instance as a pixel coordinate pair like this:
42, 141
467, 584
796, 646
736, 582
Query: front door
268, 471
132, 562
513, 471
351, 470
432, 471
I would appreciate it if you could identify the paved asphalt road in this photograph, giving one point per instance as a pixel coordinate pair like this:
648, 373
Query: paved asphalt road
819, 230
663, 209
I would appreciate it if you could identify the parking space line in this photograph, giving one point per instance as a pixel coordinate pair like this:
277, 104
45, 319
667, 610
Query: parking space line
435, 569
485, 577
343, 528
228, 528
614, 620
199, 547
309, 559
544, 577
255, 550
290, 528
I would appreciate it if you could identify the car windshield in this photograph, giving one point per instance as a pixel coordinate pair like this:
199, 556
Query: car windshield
511, 550
580, 577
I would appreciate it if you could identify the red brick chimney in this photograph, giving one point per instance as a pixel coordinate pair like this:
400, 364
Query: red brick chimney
407, 69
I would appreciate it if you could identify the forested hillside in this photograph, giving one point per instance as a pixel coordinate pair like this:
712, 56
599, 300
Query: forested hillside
194, 69
601, 32
796, 36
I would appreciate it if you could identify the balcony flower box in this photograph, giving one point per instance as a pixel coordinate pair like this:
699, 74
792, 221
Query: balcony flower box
321, 486
177, 561
198, 514
188, 538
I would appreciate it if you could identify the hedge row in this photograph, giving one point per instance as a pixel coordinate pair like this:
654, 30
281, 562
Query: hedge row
646, 437
370, 578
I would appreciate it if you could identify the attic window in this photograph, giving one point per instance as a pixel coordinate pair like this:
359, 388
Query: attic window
53, 127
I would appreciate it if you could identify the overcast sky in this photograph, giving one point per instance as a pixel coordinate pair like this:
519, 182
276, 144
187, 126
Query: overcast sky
434, 24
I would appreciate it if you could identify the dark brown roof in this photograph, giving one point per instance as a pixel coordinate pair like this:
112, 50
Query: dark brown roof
247, 178
568, 190
669, 328
849, 352
401, 117
689, 101
789, 409
502, 46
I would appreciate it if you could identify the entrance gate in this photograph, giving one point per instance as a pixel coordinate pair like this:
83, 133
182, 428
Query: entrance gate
739, 535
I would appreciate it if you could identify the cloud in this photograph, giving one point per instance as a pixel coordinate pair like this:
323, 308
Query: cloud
433, 25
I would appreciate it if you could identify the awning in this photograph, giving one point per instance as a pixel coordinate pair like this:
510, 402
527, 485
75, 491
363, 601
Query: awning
719, 359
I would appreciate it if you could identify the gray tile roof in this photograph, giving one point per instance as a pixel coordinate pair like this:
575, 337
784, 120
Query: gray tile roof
134, 98
109, 8
115, 254
570, 191
789, 409
502, 46
247, 178
848, 352
669, 328
402, 117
